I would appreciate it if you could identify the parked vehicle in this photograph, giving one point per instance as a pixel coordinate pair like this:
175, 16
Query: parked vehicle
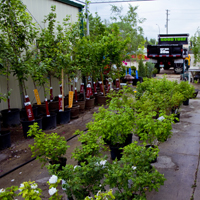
171, 51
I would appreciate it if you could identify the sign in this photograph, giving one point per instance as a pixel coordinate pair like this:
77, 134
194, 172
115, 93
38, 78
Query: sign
71, 94
173, 40
164, 50
37, 97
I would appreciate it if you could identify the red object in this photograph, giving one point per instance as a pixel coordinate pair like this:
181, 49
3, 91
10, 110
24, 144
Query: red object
60, 102
76, 98
91, 94
82, 88
47, 107
140, 56
60, 89
27, 98
29, 111
71, 87
106, 69
101, 87
95, 88
51, 93
108, 88
169, 63
88, 92
161, 63
117, 83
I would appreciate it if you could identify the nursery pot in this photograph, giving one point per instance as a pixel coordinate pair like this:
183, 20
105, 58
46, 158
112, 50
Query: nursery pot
116, 152
25, 124
75, 111
11, 118
49, 122
5, 141
148, 146
177, 116
41, 108
195, 93
53, 105
128, 139
186, 103
63, 117
24, 115
89, 104
82, 106
61, 160
101, 100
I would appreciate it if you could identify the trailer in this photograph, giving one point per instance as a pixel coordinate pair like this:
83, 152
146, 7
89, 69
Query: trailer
171, 51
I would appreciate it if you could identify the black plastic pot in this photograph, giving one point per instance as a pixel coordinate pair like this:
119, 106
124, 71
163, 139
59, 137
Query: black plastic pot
49, 122
177, 116
5, 141
61, 160
186, 103
75, 111
11, 118
140, 79
23, 114
41, 108
148, 146
26, 124
63, 117
128, 139
116, 152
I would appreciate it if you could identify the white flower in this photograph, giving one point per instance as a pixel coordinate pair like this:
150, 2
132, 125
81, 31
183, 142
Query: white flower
134, 167
103, 162
98, 193
2, 190
52, 191
53, 179
21, 186
161, 118
36, 191
63, 182
34, 186
76, 166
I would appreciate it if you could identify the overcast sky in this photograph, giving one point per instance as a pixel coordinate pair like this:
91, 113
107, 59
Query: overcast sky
184, 15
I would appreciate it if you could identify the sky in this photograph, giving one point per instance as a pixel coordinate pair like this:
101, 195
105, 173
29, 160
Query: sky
184, 15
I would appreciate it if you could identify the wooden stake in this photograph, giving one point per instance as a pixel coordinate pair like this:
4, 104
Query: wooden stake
62, 90
102, 84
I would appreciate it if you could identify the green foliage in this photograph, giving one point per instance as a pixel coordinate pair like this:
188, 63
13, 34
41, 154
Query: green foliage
141, 69
30, 191
149, 67
102, 196
133, 173
196, 46
85, 179
8, 193
46, 146
18, 33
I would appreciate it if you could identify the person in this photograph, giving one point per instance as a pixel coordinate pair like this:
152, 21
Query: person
188, 60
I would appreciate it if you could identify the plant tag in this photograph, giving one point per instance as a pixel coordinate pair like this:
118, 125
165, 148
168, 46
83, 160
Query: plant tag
76, 98
91, 93
82, 88
95, 88
71, 94
101, 87
176, 111
161, 118
88, 92
37, 97
117, 84
60, 102
108, 87
27, 98
29, 111
47, 108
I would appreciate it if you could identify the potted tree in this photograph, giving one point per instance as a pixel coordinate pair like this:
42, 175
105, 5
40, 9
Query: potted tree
19, 33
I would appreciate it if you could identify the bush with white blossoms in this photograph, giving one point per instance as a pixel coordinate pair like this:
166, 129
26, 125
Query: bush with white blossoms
8, 193
30, 191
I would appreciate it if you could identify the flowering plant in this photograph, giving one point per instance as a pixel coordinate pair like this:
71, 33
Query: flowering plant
29, 190
53, 183
8, 193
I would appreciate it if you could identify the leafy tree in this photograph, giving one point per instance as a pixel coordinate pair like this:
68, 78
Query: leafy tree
196, 46
19, 33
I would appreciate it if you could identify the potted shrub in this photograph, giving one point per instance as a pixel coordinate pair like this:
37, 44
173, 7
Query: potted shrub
48, 147
84, 180
133, 174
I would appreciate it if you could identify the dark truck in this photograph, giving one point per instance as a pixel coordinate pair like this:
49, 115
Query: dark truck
169, 52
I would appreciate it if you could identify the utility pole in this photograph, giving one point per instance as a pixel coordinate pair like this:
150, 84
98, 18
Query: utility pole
167, 22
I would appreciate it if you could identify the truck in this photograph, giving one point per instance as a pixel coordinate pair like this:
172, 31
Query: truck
171, 51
